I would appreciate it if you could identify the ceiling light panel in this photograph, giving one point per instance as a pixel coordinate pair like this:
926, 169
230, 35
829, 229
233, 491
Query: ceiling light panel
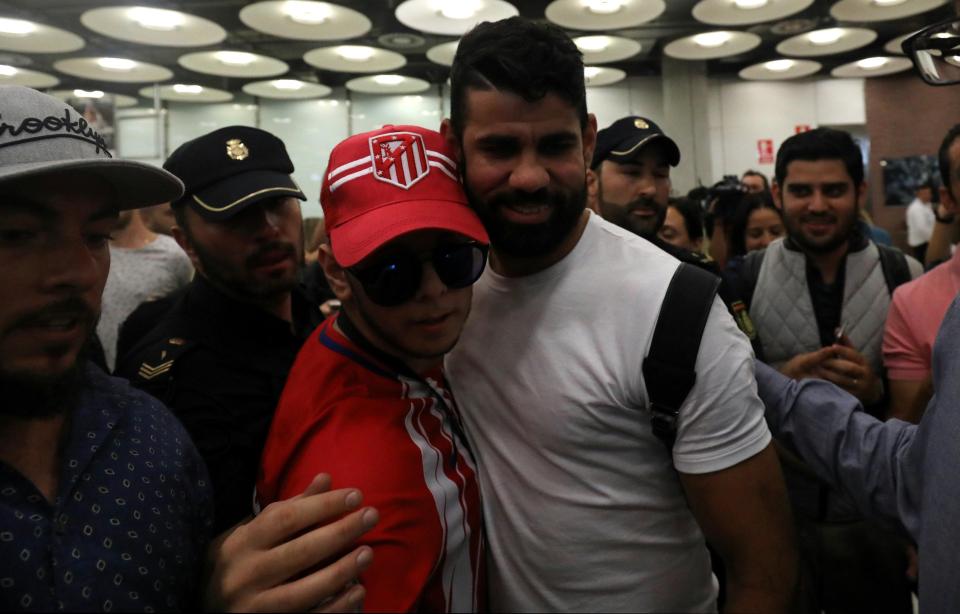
354, 58
603, 14
152, 26
451, 18
305, 20
745, 12
30, 37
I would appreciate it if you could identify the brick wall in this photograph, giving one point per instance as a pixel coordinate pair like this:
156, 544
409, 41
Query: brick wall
905, 117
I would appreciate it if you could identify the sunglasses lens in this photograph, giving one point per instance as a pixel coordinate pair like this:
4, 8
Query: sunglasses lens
459, 265
392, 281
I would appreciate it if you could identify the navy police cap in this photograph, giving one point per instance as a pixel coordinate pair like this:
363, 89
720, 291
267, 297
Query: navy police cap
229, 169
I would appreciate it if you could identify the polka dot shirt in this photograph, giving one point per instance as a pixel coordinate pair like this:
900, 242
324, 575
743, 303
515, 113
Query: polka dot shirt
130, 521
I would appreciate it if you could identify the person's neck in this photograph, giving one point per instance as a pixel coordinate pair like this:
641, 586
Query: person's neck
521, 266
355, 328
32, 447
135, 235
828, 263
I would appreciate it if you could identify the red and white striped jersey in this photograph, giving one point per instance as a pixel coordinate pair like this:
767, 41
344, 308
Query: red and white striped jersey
347, 413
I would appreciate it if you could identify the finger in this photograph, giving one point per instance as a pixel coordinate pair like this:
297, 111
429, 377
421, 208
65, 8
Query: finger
849, 353
349, 601
845, 368
282, 519
292, 558
319, 586
321, 483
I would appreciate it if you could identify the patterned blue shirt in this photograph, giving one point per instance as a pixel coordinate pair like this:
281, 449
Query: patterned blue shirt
131, 517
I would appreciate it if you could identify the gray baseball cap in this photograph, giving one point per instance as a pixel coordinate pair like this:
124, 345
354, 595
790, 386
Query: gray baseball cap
40, 134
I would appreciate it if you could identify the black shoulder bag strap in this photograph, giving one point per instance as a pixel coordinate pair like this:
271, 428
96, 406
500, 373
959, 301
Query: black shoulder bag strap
669, 369
896, 271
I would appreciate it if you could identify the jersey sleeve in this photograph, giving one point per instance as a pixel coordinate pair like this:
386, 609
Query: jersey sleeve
721, 422
351, 443
903, 355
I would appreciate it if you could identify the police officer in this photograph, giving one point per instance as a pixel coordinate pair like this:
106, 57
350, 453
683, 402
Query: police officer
629, 184
219, 357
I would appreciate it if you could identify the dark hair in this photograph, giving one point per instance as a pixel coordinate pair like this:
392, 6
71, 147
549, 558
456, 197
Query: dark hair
692, 214
753, 173
821, 144
943, 156
520, 56
738, 231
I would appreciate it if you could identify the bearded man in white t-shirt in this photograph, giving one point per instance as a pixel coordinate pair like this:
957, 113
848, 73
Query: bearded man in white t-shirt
584, 507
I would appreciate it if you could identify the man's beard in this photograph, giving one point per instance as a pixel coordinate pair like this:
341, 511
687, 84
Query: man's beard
529, 240
845, 228
29, 396
642, 226
225, 276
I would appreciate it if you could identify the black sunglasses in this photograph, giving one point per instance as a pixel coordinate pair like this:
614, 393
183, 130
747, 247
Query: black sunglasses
394, 278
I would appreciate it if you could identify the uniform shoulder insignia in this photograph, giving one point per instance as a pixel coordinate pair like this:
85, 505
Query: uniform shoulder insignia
169, 352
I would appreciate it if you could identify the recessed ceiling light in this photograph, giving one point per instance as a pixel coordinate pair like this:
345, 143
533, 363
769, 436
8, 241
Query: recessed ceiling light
888, 2
355, 53
871, 63
16, 27
187, 89
306, 12
388, 79
603, 7
235, 58
825, 37
116, 64
589, 72
7, 71
287, 84
779, 65
750, 4
592, 43
712, 39
155, 19
943, 35
88, 94
463, 9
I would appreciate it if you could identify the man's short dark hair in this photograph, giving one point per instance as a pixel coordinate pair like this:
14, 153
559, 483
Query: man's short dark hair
753, 173
943, 157
519, 56
692, 216
821, 144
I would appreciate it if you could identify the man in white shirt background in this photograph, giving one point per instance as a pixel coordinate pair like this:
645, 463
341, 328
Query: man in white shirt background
920, 220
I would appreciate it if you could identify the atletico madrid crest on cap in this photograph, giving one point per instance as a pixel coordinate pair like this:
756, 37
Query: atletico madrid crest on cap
399, 158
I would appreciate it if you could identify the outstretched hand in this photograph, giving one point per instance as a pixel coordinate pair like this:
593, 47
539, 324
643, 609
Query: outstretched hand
282, 560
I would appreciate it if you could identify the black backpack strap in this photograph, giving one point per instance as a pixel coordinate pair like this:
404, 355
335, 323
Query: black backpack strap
669, 369
750, 274
896, 270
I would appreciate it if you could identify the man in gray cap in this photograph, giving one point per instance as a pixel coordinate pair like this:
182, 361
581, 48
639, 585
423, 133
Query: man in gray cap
104, 501
220, 357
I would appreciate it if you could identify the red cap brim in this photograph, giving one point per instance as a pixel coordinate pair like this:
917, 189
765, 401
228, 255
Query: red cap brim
360, 236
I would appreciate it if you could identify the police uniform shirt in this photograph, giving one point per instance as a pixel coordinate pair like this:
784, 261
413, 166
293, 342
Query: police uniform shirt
221, 365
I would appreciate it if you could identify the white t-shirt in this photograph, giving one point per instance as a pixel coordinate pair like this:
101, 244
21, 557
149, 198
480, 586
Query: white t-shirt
920, 221
582, 505
137, 276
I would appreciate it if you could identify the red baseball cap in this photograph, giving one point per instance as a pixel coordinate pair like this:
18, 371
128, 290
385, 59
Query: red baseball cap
382, 184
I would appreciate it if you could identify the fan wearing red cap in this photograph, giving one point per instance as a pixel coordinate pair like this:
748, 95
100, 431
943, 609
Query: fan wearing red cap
366, 400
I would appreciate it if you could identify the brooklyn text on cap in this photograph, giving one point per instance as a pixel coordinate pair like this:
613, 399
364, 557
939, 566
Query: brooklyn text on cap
40, 134
623, 139
227, 170
382, 184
